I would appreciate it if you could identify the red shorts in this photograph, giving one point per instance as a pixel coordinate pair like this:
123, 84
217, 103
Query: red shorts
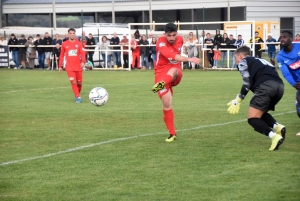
160, 76
75, 76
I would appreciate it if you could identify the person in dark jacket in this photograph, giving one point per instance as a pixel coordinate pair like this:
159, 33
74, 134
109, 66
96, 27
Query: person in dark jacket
115, 40
217, 39
257, 47
48, 50
91, 41
144, 51
40, 50
56, 54
231, 45
224, 44
153, 50
22, 52
14, 50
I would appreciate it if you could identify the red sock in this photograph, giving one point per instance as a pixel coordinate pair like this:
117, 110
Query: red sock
79, 86
169, 121
167, 79
75, 90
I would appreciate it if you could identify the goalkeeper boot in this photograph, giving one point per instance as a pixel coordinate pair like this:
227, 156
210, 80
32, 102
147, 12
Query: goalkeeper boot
158, 86
280, 130
277, 140
171, 138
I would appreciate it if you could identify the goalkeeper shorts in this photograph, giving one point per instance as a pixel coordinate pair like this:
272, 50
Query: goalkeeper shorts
267, 95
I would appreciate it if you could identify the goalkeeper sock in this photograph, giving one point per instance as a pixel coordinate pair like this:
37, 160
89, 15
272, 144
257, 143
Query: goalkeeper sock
167, 79
75, 90
169, 121
270, 121
260, 126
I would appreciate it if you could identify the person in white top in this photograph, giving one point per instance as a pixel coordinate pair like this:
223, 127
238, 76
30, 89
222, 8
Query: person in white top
3, 41
191, 48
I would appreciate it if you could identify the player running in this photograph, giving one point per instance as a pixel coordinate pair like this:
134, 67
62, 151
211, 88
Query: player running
75, 60
262, 79
289, 62
168, 72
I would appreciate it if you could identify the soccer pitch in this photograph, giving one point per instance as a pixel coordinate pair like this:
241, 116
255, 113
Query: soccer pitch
55, 149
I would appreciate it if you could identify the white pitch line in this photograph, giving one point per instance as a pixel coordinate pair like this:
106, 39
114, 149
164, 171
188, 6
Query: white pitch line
122, 139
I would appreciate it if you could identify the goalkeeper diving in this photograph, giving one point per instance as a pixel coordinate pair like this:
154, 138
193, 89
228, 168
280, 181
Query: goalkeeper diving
260, 77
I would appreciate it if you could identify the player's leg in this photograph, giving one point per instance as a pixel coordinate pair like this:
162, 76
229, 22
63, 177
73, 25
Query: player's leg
72, 78
267, 95
79, 80
134, 57
165, 80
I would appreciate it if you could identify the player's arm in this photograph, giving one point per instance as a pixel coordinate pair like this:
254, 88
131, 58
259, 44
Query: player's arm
171, 55
61, 56
82, 54
234, 105
286, 73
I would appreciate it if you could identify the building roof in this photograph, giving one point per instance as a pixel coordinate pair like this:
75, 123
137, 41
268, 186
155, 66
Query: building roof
64, 1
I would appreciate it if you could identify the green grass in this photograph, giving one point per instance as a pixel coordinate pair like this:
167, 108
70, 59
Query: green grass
211, 160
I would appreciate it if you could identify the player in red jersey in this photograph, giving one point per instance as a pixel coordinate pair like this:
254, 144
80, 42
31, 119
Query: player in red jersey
168, 72
75, 60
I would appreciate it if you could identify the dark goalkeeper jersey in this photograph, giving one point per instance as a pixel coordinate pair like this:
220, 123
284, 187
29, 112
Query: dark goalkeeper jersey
256, 71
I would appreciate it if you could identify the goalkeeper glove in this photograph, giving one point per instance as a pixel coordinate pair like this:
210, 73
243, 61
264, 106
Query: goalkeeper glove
234, 105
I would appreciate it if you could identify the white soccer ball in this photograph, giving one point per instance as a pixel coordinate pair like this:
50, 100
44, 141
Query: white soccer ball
98, 96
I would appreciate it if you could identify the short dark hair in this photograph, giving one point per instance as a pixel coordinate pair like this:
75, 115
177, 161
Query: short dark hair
256, 32
170, 27
239, 35
244, 50
290, 34
71, 29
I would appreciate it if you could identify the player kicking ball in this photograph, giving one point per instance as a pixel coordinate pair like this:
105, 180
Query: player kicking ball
168, 73
75, 60
289, 62
262, 79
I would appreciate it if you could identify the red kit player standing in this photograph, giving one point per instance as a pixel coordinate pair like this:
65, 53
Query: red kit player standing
75, 60
168, 72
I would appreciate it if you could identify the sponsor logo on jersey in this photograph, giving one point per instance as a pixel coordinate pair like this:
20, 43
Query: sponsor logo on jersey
295, 65
286, 61
162, 44
72, 53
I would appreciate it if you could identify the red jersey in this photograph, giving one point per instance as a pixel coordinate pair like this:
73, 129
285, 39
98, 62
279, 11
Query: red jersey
74, 55
135, 47
166, 54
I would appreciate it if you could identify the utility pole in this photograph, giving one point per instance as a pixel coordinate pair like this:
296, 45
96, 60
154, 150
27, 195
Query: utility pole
150, 13
113, 12
1, 11
54, 15
228, 11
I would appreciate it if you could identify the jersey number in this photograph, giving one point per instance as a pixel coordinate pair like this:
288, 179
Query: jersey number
265, 62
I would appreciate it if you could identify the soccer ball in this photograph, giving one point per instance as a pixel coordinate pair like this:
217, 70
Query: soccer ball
98, 96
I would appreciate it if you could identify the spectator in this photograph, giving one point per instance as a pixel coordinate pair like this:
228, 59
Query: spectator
22, 52
144, 52
271, 49
135, 52
209, 53
66, 37
217, 54
56, 54
257, 47
82, 36
280, 45
231, 45
224, 44
217, 39
56, 40
150, 41
31, 52
137, 35
48, 50
115, 40
202, 39
153, 51
104, 46
91, 41
14, 50
3, 41
239, 42
40, 50
124, 43
297, 39
191, 49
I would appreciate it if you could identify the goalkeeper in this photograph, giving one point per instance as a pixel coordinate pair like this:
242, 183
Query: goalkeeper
262, 79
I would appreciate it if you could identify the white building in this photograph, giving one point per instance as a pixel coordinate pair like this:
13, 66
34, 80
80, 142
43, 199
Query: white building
68, 12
